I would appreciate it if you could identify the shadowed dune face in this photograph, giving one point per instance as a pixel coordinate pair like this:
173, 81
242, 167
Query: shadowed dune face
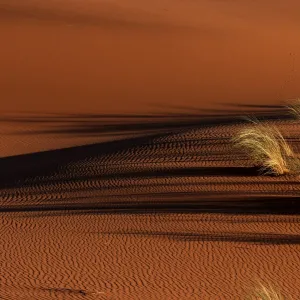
172, 163
112, 56
32, 132
169, 210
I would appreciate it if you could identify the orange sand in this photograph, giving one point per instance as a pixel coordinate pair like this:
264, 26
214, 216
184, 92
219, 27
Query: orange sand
118, 179
137, 56
174, 214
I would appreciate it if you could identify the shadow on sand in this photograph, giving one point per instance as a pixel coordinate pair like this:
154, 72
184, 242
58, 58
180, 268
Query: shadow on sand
38, 169
118, 124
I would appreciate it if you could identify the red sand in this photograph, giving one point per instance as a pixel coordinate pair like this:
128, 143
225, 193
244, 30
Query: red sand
154, 206
137, 56
177, 215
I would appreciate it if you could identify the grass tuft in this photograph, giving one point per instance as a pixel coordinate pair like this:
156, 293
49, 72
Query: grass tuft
268, 149
266, 293
294, 108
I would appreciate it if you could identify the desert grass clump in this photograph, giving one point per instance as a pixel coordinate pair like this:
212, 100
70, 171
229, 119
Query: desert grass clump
268, 149
266, 293
294, 108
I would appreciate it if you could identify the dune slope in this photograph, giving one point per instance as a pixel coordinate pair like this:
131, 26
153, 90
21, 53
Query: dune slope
171, 212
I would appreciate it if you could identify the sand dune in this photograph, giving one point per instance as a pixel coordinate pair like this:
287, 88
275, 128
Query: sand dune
118, 178
170, 212
141, 56
134, 256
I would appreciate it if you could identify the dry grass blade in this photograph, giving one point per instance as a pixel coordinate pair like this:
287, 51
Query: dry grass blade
294, 108
267, 148
266, 293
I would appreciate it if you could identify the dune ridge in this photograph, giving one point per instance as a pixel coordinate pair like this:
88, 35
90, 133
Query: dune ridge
118, 177
148, 215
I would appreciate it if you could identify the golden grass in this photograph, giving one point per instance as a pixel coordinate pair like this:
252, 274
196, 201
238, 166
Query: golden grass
294, 108
266, 293
268, 149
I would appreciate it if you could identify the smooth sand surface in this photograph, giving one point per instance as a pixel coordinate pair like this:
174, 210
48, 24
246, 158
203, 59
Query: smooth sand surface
118, 178
140, 56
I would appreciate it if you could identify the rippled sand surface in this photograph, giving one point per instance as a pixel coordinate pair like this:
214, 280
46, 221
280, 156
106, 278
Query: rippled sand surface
134, 256
118, 177
172, 211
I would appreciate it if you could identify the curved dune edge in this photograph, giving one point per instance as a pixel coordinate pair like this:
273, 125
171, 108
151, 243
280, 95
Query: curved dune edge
171, 211
124, 204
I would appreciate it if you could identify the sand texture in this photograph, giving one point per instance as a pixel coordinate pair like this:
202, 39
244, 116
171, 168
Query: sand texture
173, 211
136, 56
118, 175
